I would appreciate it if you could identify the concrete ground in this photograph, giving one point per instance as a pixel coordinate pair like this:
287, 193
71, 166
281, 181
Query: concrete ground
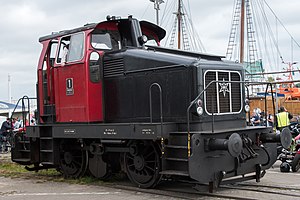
37, 189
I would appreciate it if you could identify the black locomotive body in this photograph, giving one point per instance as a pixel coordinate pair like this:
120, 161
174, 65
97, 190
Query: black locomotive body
149, 111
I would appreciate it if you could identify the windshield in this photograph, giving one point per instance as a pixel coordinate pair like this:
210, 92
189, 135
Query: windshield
101, 41
105, 40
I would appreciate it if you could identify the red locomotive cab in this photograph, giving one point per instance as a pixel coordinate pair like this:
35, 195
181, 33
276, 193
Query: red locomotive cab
69, 78
70, 71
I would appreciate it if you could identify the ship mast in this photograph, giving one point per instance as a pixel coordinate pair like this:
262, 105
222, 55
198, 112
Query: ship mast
182, 30
242, 19
242, 31
179, 15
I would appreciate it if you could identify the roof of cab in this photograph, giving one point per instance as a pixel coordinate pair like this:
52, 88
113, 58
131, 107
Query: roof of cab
67, 32
160, 32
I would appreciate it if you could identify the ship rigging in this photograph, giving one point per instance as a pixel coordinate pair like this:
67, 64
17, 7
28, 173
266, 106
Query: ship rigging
254, 40
178, 21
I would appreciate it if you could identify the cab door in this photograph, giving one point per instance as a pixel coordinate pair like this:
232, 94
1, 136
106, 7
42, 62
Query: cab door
72, 84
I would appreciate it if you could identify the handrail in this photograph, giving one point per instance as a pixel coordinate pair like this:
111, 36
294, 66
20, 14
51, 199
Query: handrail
160, 101
23, 107
188, 116
273, 104
247, 88
161, 112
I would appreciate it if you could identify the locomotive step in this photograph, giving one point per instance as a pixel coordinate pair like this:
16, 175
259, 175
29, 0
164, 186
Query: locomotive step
47, 163
175, 147
24, 150
24, 142
46, 138
175, 173
177, 159
23, 161
46, 151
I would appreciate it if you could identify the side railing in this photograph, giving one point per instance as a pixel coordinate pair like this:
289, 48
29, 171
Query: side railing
160, 109
24, 103
25, 110
160, 102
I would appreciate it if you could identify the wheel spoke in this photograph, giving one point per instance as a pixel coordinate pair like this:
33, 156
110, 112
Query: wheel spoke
143, 168
150, 168
72, 166
149, 154
130, 165
129, 157
73, 163
77, 163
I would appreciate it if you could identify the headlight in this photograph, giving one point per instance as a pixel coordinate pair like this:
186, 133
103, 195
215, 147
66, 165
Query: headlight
199, 110
143, 39
247, 108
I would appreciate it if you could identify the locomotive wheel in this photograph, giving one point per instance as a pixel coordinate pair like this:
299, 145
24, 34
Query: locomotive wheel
73, 160
143, 164
296, 163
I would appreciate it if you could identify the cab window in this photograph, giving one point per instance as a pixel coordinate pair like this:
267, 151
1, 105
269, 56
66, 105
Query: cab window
76, 47
71, 48
63, 50
105, 39
94, 67
101, 41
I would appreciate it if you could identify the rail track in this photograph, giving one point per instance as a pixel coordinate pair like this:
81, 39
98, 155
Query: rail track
243, 191
267, 190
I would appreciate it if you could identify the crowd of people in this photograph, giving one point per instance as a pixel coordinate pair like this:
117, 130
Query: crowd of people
262, 118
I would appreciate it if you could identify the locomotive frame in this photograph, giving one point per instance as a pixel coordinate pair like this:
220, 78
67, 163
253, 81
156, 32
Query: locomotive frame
113, 104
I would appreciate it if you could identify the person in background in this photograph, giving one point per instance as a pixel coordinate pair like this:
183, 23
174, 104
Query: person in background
5, 128
270, 119
17, 123
255, 119
283, 118
262, 116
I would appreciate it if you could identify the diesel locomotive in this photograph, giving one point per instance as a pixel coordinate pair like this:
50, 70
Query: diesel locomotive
111, 99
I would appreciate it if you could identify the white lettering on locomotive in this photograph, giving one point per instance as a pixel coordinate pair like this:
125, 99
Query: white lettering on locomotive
109, 131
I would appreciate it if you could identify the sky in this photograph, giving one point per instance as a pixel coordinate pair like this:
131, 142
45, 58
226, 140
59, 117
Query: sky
22, 22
